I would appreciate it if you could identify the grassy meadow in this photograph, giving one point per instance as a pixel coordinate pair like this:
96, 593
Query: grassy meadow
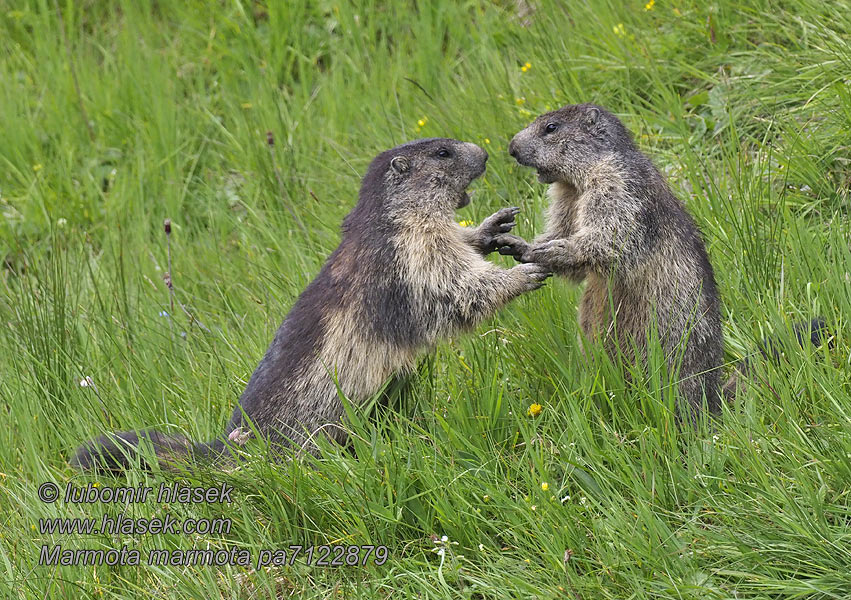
117, 115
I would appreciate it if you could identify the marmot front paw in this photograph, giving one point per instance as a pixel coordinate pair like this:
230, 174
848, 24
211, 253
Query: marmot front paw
548, 253
502, 221
534, 275
512, 245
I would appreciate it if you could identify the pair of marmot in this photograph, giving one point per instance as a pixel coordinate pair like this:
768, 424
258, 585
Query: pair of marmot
406, 276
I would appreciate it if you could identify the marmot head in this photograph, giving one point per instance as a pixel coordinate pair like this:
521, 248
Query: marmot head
565, 144
430, 174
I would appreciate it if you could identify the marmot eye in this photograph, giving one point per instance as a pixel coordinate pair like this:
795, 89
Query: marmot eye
444, 153
551, 127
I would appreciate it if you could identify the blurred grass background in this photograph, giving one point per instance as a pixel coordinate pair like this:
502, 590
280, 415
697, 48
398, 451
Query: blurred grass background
117, 115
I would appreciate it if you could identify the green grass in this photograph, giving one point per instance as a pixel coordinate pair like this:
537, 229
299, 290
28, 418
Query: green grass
745, 105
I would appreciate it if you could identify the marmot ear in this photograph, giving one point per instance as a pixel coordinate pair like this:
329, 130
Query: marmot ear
400, 164
591, 115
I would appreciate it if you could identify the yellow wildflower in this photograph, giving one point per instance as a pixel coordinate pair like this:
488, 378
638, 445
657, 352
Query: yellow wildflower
545, 486
619, 30
534, 410
526, 67
520, 101
422, 122
649, 5
38, 167
487, 141
465, 223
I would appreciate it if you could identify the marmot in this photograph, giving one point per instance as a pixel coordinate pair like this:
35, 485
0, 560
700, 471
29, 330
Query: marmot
614, 223
404, 277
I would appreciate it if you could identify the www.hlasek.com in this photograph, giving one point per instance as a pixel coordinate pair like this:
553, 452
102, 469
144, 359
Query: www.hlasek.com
49, 492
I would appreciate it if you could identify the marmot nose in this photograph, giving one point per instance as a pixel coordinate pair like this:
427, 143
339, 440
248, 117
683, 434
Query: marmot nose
512, 149
486, 155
